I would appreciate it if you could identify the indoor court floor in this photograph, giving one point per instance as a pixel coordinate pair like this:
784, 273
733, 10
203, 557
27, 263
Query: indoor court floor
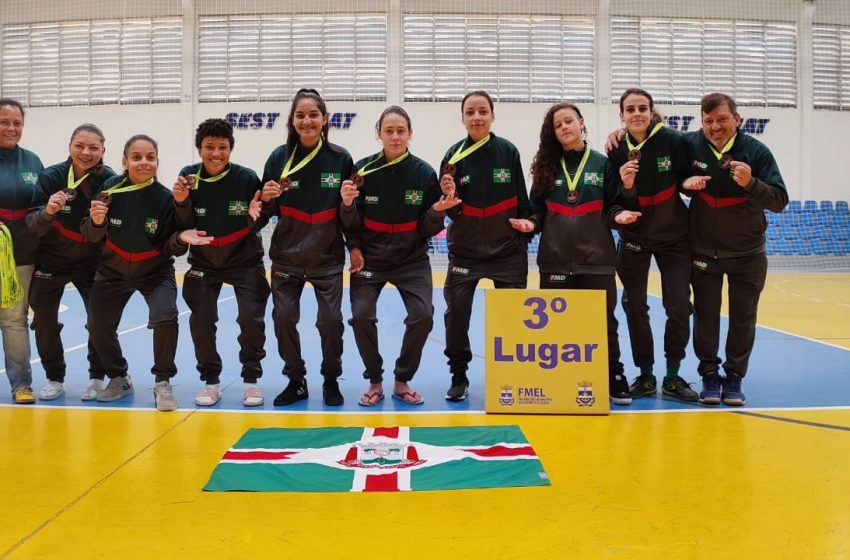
659, 479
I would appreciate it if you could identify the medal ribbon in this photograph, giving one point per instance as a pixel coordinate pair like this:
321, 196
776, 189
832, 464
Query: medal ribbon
289, 170
10, 285
120, 188
655, 130
461, 153
725, 149
219, 177
572, 182
363, 172
72, 184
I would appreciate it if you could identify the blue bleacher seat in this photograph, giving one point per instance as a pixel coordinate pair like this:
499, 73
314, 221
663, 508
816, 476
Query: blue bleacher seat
799, 246
795, 206
839, 231
842, 207
810, 206
819, 247
826, 206
783, 247
841, 246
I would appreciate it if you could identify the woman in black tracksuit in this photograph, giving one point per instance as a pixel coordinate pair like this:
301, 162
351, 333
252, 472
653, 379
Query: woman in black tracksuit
301, 183
64, 195
653, 159
134, 213
390, 217
576, 199
214, 196
484, 171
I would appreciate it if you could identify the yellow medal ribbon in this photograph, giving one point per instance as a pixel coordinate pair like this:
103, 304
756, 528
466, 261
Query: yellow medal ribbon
11, 291
462, 153
289, 170
72, 184
363, 172
655, 130
725, 149
572, 182
120, 188
198, 178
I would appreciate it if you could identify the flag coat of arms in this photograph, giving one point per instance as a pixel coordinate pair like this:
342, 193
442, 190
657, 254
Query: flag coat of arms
378, 460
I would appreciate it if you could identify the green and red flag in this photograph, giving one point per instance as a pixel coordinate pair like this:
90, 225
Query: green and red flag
378, 460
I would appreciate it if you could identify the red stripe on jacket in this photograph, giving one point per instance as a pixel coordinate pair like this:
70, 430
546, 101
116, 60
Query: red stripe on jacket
571, 212
721, 202
658, 198
131, 257
489, 211
306, 217
390, 228
72, 235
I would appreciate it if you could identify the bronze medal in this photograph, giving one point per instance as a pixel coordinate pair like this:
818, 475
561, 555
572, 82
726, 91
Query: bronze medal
572, 197
193, 182
70, 194
358, 180
725, 162
285, 184
634, 155
105, 198
449, 169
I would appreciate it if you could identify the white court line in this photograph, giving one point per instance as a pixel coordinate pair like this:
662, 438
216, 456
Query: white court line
248, 410
120, 333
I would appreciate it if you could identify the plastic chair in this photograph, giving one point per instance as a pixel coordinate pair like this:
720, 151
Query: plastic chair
810, 206
842, 207
795, 206
826, 206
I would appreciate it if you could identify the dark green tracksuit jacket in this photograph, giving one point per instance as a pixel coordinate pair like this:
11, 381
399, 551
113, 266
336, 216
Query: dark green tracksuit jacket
19, 169
308, 237
491, 184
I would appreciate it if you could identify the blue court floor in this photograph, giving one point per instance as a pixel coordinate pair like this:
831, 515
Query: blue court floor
786, 371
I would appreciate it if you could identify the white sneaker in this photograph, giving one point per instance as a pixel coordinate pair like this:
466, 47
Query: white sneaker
252, 396
164, 396
208, 395
53, 390
95, 386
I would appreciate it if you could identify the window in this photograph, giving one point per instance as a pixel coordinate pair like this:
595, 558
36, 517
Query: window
678, 61
513, 58
831, 67
266, 58
90, 63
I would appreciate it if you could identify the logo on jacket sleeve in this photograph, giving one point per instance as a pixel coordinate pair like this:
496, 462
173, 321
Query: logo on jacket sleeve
150, 225
699, 165
200, 211
501, 175
29, 178
237, 207
593, 179
330, 180
413, 197
664, 163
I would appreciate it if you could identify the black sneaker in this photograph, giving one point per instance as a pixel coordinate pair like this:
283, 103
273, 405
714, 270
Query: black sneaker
331, 393
678, 388
711, 385
732, 394
294, 392
618, 387
459, 389
643, 386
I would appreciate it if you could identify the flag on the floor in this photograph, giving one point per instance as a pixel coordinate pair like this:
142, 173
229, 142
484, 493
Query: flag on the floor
378, 460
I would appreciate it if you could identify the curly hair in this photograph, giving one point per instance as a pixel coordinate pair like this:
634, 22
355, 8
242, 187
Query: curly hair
545, 163
214, 128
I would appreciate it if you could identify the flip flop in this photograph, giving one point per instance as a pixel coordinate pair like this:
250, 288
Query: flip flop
367, 397
409, 397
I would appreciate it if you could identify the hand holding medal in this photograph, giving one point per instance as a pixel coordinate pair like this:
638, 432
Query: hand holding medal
181, 188
99, 209
628, 173
349, 191
57, 201
272, 190
741, 173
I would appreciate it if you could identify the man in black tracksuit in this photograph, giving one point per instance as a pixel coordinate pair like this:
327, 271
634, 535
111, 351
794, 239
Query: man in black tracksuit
217, 203
307, 245
735, 179
662, 232
391, 221
64, 256
482, 244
